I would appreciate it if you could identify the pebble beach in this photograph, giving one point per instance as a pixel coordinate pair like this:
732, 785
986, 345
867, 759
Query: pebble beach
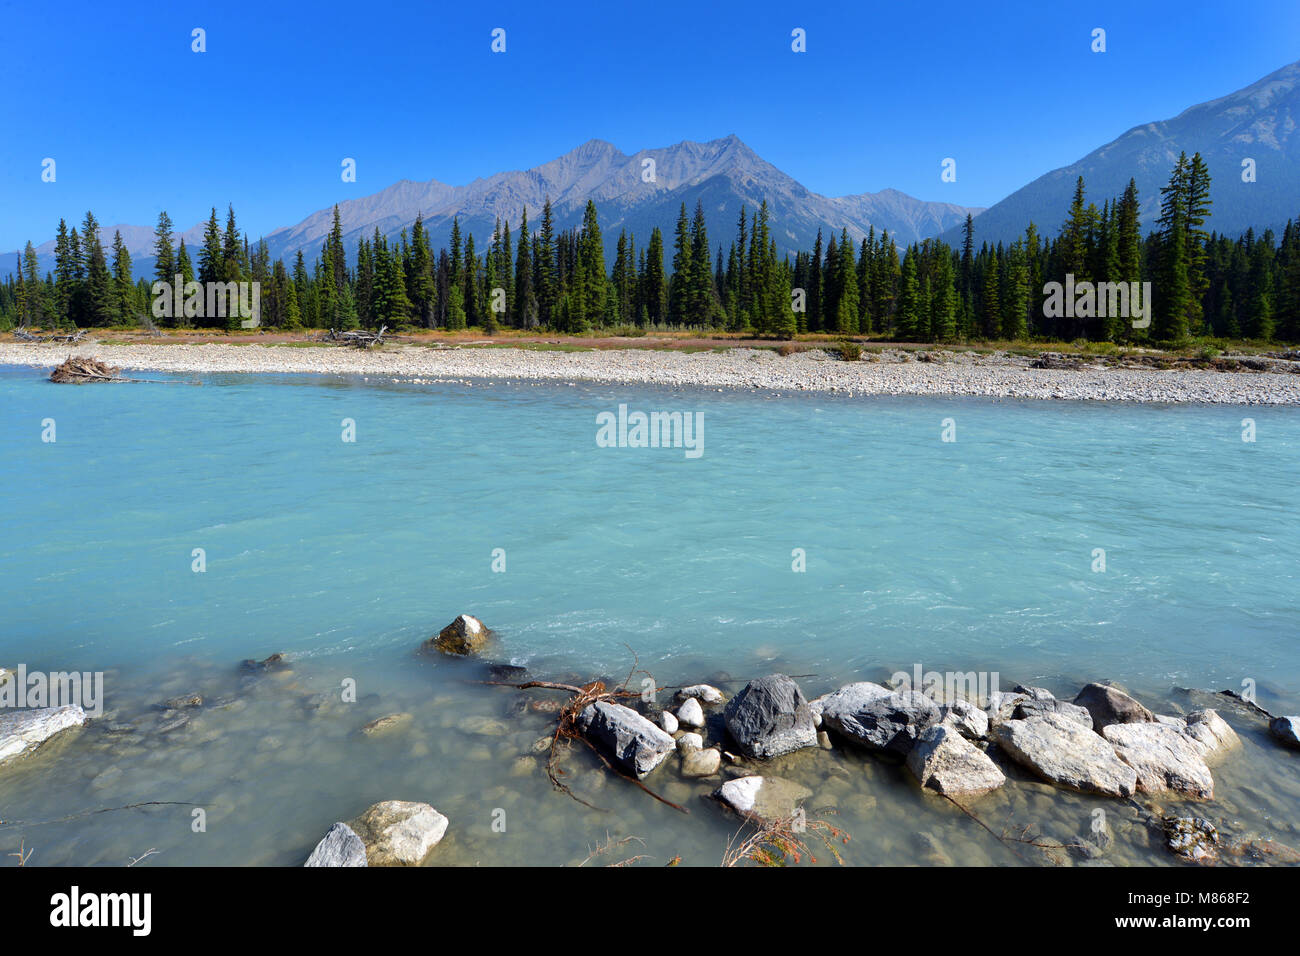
890, 372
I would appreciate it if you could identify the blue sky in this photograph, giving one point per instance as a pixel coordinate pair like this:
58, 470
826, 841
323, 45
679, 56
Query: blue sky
137, 122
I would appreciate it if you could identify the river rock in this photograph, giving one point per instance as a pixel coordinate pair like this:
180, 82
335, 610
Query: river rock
463, 636
340, 847
1192, 839
507, 673
384, 724
1110, 705
1286, 730
668, 722
701, 763
690, 741
24, 730
946, 762
1163, 757
1039, 702
879, 718
767, 798
1002, 704
969, 720
770, 717
1210, 733
399, 832
1065, 752
276, 662
706, 694
690, 713
182, 702
632, 740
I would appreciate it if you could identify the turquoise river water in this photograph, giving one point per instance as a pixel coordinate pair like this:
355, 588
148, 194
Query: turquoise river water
979, 554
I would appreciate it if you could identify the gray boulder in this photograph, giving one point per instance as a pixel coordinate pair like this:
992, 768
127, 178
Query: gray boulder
969, 720
770, 717
1163, 757
340, 847
1039, 702
632, 740
878, 718
1109, 705
1210, 733
398, 832
946, 762
1065, 752
22, 731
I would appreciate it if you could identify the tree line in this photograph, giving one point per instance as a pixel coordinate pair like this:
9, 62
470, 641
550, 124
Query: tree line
1203, 284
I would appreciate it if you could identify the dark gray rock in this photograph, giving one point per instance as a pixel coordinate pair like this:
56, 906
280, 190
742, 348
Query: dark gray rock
1286, 730
878, 718
637, 744
770, 717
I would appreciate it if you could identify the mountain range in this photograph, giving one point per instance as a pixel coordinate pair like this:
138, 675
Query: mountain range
1258, 123
723, 174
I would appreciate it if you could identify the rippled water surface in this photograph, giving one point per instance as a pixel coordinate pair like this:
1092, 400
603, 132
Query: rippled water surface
977, 554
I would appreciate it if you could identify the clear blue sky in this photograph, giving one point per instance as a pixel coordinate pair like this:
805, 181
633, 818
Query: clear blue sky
137, 122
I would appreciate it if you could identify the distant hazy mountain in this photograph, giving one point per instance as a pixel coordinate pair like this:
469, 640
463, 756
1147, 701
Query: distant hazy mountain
1258, 122
723, 174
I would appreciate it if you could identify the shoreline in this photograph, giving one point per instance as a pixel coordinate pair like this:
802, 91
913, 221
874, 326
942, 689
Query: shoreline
938, 374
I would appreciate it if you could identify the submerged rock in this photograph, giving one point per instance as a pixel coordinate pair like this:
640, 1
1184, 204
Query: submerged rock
399, 832
770, 717
1191, 839
1064, 751
386, 723
464, 636
1109, 705
508, 673
182, 702
1163, 757
1286, 730
878, 718
946, 762
701, 763
767, 798
276, 662
339, 847
637, 744
23, 731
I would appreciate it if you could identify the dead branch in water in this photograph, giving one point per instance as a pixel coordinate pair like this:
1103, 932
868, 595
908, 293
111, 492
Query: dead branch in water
566, 729
91, 813
1006, 840
83, 369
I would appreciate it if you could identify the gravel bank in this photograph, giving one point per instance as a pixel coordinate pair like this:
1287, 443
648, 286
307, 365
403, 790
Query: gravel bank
893, 373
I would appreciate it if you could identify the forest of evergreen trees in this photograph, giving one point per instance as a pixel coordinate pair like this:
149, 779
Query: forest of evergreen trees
1204, 284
